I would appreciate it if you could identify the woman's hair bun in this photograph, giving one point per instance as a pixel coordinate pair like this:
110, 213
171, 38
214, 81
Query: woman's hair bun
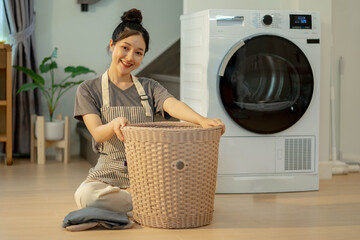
133, 15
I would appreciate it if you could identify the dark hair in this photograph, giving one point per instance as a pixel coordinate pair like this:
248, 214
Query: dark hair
131, 25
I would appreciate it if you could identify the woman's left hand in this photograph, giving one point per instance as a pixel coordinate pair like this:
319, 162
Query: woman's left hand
212, 122
180, 110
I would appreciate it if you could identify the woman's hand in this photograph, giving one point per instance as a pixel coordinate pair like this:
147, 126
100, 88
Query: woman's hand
180, 110
103, 132
119, 123
212, 122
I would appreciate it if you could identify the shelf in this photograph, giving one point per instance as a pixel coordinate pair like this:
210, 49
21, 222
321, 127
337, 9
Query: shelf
3, 59
3, 138
6, 100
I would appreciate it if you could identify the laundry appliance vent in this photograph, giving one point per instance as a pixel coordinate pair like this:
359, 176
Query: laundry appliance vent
298, 154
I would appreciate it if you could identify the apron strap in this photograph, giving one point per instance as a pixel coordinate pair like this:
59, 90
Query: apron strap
143, 97
105, 90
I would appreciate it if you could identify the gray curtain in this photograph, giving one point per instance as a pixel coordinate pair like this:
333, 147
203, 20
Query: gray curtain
21, 20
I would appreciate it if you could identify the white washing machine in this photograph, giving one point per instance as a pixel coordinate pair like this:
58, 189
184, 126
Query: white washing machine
258, 71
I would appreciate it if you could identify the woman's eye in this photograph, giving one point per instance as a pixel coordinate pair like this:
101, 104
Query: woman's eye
139, 53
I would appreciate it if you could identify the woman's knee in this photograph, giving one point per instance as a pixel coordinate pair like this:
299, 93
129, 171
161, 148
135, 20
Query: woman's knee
84, 195
98, 194
79, 195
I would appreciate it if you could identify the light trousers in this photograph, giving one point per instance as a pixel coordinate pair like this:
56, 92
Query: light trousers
92, 193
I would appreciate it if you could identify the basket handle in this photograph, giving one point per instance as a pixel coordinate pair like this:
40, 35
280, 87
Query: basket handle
179, 165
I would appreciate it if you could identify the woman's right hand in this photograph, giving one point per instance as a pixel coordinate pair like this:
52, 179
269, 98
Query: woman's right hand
119, 123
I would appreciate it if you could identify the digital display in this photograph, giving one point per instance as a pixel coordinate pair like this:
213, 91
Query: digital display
300, 21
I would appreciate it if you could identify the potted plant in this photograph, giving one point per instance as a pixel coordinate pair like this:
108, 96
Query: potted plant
52, 91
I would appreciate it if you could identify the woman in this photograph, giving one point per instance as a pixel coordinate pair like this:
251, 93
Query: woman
117, 98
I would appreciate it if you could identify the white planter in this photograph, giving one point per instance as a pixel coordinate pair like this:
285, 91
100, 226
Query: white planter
53, 130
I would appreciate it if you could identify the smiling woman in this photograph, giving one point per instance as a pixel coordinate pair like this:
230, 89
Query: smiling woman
109, 102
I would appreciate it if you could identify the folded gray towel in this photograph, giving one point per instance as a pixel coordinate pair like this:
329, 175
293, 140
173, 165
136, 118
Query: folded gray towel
90, 217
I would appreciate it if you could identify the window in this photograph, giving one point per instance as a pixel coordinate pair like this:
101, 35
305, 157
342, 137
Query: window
4, 29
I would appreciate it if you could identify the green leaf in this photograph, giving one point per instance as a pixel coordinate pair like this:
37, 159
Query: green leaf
47, 67
68, 84
27, 87
53, 55
36, 77
45, 60
75, 71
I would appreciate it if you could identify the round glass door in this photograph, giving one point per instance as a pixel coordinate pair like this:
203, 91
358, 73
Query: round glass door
267, 84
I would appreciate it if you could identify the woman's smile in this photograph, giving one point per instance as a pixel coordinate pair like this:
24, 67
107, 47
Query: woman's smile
126, 64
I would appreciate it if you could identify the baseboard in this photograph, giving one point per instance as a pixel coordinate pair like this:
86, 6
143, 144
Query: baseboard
349, 157
325, 169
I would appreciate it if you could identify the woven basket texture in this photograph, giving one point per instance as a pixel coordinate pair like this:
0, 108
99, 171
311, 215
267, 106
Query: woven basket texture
172, 170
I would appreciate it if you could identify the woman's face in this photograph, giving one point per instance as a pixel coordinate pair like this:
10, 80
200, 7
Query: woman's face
127, 54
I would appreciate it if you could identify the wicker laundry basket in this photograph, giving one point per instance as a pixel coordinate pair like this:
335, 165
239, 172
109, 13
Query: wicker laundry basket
172, 170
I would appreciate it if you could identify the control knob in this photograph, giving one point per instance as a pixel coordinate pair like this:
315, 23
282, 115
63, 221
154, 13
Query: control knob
267, 19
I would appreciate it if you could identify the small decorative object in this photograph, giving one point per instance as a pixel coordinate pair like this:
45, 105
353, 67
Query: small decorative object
172, 171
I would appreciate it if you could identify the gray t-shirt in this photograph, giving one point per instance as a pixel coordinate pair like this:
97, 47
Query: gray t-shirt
89, 97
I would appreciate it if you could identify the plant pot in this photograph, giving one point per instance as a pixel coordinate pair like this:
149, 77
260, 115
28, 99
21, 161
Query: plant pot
53, 130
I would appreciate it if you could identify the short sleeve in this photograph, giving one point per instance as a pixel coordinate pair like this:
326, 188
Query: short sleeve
86, 101
160, 95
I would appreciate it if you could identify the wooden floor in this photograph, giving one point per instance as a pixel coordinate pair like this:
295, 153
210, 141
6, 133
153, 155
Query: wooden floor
34, 200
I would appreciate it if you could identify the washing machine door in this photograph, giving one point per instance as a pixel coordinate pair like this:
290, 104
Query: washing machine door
266, 84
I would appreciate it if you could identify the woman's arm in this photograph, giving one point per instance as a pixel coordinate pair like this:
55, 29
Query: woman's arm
180, 110
103, 132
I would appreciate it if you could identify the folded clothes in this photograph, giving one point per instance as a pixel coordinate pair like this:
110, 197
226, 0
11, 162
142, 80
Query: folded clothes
91, 217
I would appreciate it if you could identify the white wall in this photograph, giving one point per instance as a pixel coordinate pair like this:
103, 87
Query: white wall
198, 5
346, 32
324, 7
82, 37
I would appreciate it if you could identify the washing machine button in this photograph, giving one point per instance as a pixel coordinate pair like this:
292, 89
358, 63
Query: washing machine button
267, 19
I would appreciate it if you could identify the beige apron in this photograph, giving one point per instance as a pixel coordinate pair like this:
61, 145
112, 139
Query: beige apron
111, 167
